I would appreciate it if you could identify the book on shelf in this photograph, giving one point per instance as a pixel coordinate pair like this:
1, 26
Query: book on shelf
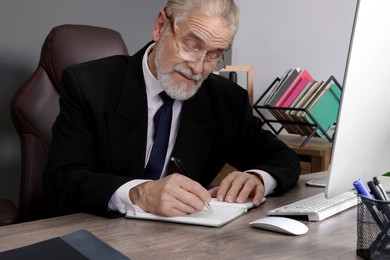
271, 89
296, 129
318, 88
302, 80
300, 95
303, 115
283, 86
276, 97
276, 86
289, 95
325, 108
293, 92
302, 104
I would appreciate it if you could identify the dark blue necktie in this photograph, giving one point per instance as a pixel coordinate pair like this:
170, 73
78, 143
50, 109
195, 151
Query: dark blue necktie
162, 128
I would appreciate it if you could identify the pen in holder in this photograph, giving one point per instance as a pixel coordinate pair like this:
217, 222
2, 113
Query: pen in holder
373, 228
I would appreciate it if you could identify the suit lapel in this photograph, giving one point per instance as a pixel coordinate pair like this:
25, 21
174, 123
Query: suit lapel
127, 122
196, 134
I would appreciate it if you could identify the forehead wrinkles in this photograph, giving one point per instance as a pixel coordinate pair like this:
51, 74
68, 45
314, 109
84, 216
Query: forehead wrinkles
208, 31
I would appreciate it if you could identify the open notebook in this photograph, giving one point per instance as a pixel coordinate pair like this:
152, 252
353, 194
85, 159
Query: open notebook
222, 214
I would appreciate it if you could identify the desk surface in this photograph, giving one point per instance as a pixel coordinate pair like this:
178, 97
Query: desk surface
332, 238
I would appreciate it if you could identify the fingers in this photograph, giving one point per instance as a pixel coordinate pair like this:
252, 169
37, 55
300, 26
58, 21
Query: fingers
177, 195
259, 194
238, 186
171, 207
174, 195
195, 192
213, 192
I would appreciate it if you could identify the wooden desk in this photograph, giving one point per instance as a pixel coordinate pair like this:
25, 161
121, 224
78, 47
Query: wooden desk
314, 156
332, 238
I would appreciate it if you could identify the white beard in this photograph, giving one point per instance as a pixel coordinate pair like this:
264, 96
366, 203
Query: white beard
177, 92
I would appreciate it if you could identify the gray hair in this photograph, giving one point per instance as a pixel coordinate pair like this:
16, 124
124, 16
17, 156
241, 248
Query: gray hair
227, 10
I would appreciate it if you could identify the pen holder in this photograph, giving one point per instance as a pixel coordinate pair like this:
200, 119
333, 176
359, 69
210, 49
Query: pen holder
373, 228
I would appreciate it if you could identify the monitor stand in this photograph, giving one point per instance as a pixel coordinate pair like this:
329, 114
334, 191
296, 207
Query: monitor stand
319, 181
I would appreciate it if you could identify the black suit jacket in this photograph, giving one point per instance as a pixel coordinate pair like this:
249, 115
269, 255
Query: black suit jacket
99, 137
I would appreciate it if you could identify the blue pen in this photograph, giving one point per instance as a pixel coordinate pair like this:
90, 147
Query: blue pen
361, 188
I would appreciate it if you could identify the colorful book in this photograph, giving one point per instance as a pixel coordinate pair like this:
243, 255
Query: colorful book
301, 94
291, 128
276, 86
296, 129
294, 89
297, 90
273, 89
303, 103
303, 116
288, 80
308, 97
283, 86
325, 109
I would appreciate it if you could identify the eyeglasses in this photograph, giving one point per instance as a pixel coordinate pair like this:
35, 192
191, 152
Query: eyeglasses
213, 60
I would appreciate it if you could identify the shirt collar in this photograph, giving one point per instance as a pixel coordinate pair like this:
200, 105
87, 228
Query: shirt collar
153, 87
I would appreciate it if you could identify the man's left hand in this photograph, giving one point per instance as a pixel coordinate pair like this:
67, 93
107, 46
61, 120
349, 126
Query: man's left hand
238, 187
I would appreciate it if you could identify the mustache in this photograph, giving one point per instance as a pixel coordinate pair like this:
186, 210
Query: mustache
187, 72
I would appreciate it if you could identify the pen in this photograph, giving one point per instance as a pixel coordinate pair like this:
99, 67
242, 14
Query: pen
378, 194
361, 188
381, 189
375, 190
180, 167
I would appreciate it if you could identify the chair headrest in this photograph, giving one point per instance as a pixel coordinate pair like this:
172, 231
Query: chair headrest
68, 44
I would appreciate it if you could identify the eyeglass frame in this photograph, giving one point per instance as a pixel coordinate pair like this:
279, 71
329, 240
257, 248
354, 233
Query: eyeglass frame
202, 57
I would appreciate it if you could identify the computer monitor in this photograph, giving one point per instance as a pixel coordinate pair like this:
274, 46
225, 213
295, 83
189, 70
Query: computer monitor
361, 147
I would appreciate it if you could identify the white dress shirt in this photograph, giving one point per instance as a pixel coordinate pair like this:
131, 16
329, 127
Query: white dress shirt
120, 200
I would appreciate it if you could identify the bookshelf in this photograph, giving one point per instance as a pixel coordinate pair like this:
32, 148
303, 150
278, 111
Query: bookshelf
312, 113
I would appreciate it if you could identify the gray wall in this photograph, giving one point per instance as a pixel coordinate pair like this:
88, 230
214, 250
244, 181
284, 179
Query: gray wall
263, 40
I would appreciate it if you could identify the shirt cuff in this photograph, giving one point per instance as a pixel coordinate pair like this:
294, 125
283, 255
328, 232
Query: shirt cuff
269, 181
120, 200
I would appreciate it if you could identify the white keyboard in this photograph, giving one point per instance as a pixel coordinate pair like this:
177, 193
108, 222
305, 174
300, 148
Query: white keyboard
317, 207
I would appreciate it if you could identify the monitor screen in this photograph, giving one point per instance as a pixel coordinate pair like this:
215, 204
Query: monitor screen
361, 146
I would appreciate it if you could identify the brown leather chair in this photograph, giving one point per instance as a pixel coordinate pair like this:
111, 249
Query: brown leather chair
8, 212
35, 105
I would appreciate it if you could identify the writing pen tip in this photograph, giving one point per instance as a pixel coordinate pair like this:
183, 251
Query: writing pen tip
208, 207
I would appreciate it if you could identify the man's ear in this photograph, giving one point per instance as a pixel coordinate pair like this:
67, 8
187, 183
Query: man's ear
158, 26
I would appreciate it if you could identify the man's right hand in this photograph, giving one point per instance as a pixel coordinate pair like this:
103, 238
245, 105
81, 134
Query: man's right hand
174, 195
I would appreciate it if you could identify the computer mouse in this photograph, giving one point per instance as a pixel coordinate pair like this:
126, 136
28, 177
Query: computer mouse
280, 224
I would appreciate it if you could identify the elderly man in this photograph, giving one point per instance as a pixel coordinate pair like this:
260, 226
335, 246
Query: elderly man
123, 118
